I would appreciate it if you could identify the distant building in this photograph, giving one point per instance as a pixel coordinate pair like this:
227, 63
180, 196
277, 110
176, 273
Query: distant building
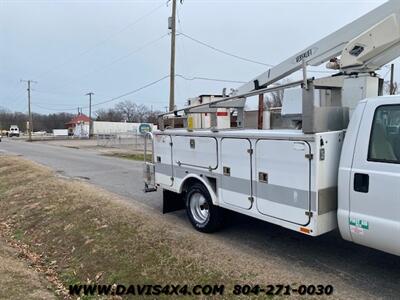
79, 126
103, 127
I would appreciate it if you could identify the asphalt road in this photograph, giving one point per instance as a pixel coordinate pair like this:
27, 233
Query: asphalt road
361, 268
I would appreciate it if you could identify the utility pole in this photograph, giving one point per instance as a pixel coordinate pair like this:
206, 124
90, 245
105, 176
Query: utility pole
90, 112
392, 91
172, 27
260, 120
30, 123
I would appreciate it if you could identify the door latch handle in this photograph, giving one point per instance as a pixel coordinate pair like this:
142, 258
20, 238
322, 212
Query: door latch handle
263, 177
361, 183
227, 171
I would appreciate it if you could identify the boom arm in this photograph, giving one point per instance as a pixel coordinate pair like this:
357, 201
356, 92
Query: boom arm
366, 44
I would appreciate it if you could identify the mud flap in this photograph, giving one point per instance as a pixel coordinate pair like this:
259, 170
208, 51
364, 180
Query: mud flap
172, 201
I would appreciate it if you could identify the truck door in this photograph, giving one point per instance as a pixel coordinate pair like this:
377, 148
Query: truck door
235, 188
375, 179
283, 180
164, 172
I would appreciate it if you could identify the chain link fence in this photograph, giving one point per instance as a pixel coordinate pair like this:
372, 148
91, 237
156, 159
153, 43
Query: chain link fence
124, 140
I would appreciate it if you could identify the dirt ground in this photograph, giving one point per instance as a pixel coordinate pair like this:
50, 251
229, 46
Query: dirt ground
91, 145
79, 233
72, 143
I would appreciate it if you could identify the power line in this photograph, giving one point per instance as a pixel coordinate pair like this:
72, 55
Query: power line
88, 50
139, 89
208, 79
118, 97
118, 59
129, 25
132, 92
240, 57
223, 51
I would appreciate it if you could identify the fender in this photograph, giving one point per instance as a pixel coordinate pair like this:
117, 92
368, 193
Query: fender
204, 181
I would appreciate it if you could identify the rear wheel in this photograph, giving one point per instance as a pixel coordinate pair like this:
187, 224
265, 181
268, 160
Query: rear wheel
203, 215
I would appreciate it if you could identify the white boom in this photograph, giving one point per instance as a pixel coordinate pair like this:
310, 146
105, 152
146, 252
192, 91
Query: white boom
365, 45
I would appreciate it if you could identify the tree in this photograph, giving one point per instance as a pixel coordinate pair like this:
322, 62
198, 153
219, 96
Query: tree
40, 122
110, 115
127, 109
275, 99
387, 88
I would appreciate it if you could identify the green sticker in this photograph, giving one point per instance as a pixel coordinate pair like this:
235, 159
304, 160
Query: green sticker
359, 223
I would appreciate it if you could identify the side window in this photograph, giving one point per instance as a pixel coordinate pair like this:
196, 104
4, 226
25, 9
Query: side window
384, 144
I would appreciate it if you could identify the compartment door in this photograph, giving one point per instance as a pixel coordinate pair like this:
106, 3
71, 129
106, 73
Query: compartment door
193, 151
235, 186
164, 172
283, 180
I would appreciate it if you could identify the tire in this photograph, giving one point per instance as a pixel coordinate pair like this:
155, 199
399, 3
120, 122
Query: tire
204, 216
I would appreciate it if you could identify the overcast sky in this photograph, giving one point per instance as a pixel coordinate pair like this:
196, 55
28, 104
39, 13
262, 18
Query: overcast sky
114, 47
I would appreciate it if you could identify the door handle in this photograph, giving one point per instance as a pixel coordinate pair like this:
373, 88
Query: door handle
227, 171
361, 183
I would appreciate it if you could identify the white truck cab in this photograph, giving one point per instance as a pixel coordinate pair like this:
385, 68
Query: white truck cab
14, 131
369, 176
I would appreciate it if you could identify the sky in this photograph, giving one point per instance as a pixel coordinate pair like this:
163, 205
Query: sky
115, 47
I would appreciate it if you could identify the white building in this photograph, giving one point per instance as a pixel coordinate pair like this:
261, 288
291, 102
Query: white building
103, 127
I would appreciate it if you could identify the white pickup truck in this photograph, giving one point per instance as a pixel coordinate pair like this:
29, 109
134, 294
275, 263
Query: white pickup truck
14, 131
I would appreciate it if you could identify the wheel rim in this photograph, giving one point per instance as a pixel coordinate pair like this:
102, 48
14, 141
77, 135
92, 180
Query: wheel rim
199, 208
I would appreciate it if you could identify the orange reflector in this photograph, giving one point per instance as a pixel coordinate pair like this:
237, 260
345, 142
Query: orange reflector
305, 230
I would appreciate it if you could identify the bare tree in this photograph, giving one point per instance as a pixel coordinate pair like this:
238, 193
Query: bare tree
111, 115
275, 99
42, 122
128, 109
141, 113
387, 88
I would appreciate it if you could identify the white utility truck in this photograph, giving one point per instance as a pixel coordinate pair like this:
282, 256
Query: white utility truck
337, 164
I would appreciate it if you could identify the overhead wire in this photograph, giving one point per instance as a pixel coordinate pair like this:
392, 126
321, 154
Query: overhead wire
223, 51
240, 57
208, 79
88, 50
125, 94
140, 89
116, 60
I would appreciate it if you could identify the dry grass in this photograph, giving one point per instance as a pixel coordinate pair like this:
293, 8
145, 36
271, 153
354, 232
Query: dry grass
18, 280
131, 156
87, 236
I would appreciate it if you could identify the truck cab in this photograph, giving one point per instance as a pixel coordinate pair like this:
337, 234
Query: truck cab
369, 176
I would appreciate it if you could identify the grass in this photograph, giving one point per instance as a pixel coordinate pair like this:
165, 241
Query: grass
87, 235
